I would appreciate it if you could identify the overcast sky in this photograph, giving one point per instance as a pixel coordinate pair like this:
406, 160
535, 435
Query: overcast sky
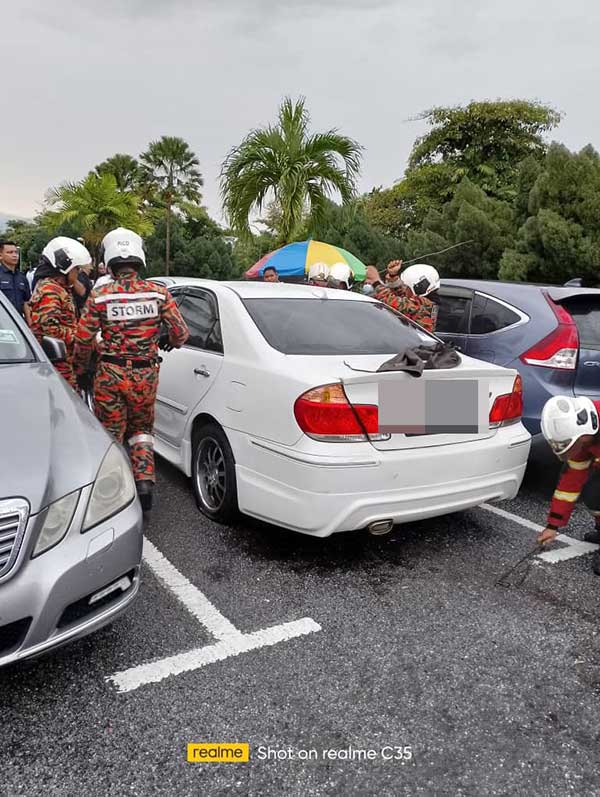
83, 79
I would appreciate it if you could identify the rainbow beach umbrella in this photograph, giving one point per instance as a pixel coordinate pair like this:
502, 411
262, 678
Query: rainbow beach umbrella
295, 259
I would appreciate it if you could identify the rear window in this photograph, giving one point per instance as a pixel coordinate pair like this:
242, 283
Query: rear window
333, 326
13, 346
586, 314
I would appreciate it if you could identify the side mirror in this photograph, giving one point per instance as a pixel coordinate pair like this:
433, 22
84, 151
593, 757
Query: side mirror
54, 349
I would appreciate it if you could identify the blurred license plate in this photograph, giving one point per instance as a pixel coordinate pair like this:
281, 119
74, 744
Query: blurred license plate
442, 406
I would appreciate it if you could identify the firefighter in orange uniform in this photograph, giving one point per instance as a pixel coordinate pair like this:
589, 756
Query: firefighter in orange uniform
52, 305
129, 314
572, 428
412, 292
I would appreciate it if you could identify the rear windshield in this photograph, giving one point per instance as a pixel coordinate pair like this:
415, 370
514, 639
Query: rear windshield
586, 314
13, 346
333, 326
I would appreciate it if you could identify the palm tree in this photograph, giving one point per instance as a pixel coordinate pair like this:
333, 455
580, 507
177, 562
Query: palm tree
124, 168
170, 171
296, 169
93, 207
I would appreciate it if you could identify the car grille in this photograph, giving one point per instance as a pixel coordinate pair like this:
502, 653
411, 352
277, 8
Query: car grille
13, 519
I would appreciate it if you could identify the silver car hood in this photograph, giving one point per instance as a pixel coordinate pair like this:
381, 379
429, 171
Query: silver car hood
50, 443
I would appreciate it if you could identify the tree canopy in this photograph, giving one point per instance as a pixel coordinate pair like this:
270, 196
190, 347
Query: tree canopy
287, 164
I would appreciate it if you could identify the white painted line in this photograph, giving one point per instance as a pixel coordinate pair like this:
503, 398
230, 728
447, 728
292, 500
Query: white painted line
190, 596
230, 640
155, 671
574, 547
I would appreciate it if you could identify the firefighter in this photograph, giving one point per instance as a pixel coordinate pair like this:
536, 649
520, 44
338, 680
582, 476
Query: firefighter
52, 305
401, 296
128, 313
572, 428
340, 277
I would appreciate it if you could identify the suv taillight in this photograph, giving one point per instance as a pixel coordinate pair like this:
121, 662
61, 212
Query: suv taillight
560, 348
508, 408
325, 413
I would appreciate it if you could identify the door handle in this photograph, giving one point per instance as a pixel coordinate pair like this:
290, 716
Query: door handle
201, 372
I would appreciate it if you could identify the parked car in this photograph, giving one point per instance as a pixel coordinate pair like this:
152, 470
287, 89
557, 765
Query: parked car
272, 408
550, 335
70, 519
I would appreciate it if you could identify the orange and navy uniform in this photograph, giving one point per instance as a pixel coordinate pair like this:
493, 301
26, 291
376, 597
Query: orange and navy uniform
128, 313
53, 314
574, 476
402, 299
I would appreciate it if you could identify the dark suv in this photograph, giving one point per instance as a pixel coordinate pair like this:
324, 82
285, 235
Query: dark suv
551, 335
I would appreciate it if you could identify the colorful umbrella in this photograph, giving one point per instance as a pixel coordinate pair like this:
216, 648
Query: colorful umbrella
295, 259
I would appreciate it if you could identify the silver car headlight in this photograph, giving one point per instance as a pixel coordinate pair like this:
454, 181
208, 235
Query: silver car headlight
56, 523
113, 489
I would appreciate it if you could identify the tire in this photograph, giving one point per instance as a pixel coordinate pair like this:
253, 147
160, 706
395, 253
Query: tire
213, 474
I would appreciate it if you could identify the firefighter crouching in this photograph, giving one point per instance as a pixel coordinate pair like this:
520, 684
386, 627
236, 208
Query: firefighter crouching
413, 292
572, 428
52, 305
128, 313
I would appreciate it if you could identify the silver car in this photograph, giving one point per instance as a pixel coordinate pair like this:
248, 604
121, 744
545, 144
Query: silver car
70, 519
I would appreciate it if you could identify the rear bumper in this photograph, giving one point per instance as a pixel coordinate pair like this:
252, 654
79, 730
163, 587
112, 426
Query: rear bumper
51, 591
324, 495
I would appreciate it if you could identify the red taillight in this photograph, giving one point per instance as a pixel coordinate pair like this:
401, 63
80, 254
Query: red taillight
509, 407
559, 349
326, 414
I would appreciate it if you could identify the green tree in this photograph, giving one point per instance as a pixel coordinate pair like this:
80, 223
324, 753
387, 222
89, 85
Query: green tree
286, 164
560, 238
93, 207
471, 216
125, 169
171, 175
31, 237
485, 141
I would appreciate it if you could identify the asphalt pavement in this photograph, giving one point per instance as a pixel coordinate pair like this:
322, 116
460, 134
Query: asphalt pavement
354, 665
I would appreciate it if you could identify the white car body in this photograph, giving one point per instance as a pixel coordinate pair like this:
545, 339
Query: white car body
294, 481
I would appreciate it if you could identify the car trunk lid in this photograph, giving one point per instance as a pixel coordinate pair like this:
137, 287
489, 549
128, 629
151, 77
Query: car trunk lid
584, 307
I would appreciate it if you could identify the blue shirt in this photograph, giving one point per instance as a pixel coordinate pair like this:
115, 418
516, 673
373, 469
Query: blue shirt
15, 287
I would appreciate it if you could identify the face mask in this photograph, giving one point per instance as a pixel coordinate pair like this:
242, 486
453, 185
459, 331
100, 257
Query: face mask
368, 290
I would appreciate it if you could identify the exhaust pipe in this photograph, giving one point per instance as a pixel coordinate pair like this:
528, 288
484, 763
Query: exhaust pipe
380, 527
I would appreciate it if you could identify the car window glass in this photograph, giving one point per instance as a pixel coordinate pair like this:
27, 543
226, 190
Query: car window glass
199, 311
333, 326
489, 315
13, 346
586, 314
453, 314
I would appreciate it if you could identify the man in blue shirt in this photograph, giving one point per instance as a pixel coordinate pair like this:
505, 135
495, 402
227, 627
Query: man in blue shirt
13, 284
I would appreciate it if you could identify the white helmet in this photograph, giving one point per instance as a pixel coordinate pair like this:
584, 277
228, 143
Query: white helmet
421, 279
123, 246
566, 419
65, 254
318, 272
340, 274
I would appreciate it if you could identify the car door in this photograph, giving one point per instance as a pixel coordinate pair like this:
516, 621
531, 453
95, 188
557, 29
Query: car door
187, 374
494, 330
454, 311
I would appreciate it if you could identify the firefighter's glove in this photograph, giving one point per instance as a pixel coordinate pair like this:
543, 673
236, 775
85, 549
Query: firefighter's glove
164, 343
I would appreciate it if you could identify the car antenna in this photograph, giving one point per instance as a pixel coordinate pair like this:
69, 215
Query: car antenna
439, 252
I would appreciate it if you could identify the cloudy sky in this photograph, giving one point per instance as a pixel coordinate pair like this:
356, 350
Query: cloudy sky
83, 79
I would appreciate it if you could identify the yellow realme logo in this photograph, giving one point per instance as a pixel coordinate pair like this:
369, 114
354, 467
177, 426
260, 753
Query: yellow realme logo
205, 753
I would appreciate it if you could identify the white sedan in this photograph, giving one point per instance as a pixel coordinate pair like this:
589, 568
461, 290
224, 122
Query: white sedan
274, 408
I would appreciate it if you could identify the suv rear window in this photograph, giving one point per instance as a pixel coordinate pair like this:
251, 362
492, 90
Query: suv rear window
13, 346
333, 326
586, 314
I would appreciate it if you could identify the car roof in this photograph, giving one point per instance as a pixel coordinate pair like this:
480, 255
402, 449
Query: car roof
247, 289
556, 292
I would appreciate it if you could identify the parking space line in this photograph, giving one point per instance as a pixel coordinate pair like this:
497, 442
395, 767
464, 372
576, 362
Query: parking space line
574, 547
190, 596
155, 671
230, 640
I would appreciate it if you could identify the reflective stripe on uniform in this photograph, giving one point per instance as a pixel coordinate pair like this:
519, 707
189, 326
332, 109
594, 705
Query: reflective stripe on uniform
129, 297
579, 465
560, 495
141, 438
